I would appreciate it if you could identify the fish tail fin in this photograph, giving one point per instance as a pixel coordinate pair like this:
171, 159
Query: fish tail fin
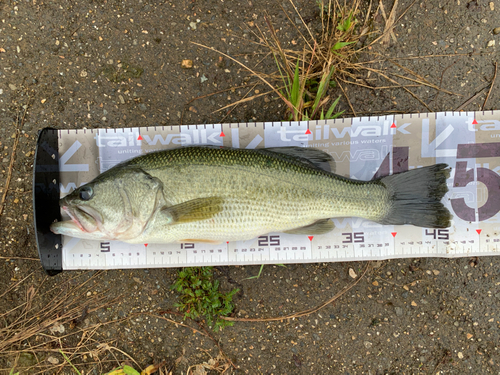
415, 197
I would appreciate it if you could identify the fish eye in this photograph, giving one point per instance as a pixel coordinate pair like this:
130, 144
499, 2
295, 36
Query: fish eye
86, 193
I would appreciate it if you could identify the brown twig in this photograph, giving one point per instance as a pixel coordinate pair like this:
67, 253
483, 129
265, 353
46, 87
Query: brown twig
207, 96
442, 76
286, 101
444, 55
202, 330
347, 98
473, 97
305, 312
19, 258
403, 87
237, 103
491, 87
424, 83
9, 172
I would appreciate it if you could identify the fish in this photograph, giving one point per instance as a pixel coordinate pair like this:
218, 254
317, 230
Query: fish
217, 194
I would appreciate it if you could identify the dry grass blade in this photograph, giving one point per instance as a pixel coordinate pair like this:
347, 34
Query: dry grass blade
348, 101
472, 98
246, 67
389, 29
403, 87
304, 312
389, 23
218, 364
491, 88
306, 73
31, 326
244, 100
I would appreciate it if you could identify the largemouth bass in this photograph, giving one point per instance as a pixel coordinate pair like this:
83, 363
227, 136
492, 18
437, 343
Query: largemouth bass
206, 194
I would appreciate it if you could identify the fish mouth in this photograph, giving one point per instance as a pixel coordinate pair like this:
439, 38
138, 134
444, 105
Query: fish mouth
85, 218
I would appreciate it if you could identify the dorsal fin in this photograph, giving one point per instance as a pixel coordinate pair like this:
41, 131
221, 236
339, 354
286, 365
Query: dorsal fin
317, 158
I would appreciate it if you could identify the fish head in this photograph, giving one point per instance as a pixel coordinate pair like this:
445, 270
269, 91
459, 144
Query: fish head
114, 206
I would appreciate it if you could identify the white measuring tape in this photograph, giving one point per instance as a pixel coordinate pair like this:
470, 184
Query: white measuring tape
362, 147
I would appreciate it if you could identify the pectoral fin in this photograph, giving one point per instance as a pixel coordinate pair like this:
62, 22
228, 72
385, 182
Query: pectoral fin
319, 227
193, 210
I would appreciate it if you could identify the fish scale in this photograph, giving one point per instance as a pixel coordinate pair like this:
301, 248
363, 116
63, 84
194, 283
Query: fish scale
262, 192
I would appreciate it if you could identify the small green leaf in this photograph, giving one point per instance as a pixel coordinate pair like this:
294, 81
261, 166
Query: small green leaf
340, 45
321, 90
295, 86
332, 107
130, 370
200, 296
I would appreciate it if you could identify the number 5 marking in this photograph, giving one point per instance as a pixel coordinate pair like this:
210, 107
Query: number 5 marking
489, 178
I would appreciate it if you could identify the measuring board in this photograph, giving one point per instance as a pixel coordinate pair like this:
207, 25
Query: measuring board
362, 147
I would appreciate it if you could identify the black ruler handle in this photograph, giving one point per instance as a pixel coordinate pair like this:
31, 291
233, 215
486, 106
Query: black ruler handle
46, 200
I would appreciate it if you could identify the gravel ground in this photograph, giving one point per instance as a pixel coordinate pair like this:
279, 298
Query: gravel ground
101, 63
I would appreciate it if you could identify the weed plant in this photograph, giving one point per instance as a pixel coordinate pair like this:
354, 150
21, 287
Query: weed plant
200, 297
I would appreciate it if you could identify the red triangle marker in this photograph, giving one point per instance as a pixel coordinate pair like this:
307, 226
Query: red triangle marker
222, 134
308, 131
146, 244
478, 231
393, 125
394, 234
310, 238
227, 241
139, 138
474, 122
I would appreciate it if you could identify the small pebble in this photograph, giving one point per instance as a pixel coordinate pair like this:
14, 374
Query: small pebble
491, 43
496, 30
187, 64
352, 273
52, 360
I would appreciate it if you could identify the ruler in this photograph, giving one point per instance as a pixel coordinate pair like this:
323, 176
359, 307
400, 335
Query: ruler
362, 147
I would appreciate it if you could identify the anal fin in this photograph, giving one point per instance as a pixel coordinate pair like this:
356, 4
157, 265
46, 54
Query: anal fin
318, 227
